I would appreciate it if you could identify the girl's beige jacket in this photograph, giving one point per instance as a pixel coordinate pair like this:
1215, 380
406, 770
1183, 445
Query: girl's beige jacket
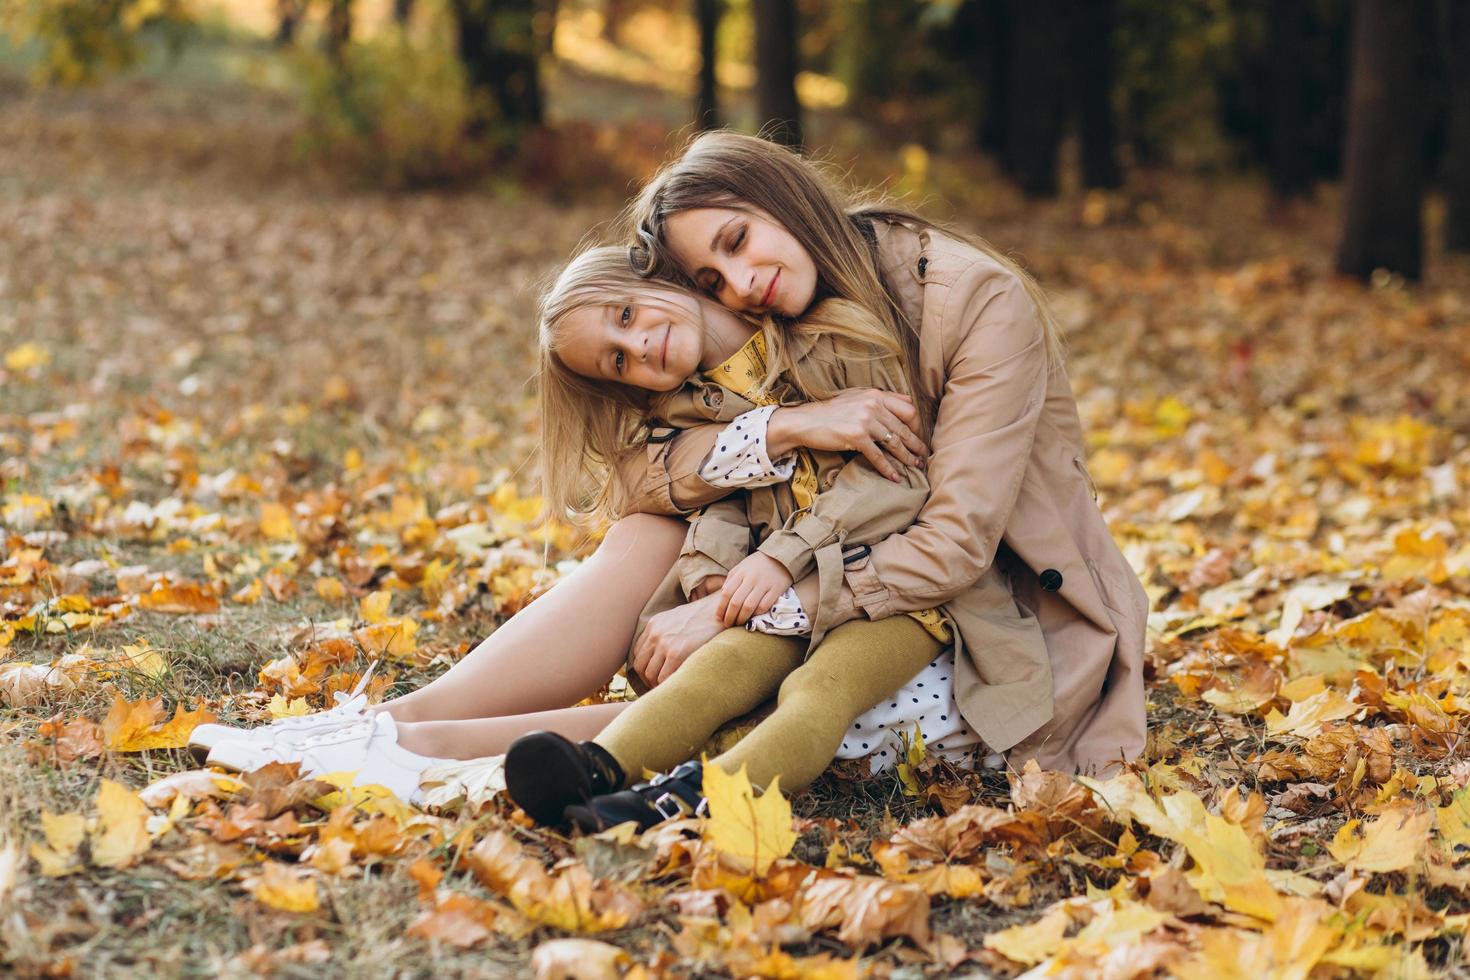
1010, 491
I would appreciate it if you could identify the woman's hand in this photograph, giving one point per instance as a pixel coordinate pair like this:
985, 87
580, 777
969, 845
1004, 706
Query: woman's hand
709, 586
752, 588
882, 425
672, 635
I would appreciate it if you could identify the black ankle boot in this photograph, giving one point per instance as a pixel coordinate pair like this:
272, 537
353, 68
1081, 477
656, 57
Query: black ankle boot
679, 793
545, 773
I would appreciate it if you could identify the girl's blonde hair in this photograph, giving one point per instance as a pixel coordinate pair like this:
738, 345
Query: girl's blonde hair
589, 427
731, 170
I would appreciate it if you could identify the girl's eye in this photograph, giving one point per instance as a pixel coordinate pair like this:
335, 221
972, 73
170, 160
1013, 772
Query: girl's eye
618, 362
739, 239
713, 286
626, 316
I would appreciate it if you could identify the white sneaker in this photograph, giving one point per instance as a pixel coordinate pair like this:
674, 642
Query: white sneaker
368, 746
349, 708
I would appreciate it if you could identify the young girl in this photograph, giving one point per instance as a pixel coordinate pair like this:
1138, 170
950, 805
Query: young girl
620, 353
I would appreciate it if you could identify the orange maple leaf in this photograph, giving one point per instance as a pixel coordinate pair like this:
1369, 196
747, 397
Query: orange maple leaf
135, 726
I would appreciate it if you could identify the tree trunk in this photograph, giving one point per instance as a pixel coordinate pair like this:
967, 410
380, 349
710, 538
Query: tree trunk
994, 73
614, 12
706, 100
337, 30
497, 45
1383, 156
1455, 175
1034, 94
1287, 159
777, 111
402, 12
1094, 25
288, 18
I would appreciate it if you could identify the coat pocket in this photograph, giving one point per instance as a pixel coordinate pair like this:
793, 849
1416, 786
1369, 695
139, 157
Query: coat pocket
1082, 468
1112, 597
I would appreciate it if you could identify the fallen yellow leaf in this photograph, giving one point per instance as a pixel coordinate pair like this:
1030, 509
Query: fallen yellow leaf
755, 831
281, 887
122, 832
64, 833
331, 589
281, 708
1307, 716
374, 607
275, 523
249, 595
392, 637
1391, 843
134, 727
27, 356
1454, 820
1033, 942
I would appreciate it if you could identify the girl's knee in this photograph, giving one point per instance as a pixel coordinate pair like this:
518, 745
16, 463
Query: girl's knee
809, 682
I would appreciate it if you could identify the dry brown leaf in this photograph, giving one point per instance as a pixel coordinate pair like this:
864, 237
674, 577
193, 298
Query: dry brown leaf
578, 959
864, 910
458, 919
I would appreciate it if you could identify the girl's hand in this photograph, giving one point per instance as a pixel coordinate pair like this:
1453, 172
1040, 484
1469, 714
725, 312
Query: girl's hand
709, 586
752, 588
881, 425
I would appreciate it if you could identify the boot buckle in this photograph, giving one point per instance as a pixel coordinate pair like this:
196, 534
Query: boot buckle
675, 804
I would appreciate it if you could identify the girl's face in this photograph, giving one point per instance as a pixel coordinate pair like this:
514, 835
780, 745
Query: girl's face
652, 347
747, 260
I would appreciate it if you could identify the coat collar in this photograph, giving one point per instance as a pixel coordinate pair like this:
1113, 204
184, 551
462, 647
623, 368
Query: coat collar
899, 250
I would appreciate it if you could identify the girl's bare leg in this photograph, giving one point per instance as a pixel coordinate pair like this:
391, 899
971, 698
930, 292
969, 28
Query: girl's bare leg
566, 644
478, 737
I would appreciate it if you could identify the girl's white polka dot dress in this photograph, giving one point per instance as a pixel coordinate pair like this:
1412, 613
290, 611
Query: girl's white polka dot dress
927, 701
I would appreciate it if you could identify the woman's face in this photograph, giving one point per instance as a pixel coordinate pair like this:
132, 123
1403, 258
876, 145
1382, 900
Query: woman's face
653, 346
745, 259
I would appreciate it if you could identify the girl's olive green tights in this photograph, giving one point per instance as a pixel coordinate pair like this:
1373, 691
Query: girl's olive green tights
857, 665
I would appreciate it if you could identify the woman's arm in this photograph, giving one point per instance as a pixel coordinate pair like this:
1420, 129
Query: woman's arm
856, 420
664, 477
994, 392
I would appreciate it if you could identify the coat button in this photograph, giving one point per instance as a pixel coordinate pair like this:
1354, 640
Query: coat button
1051, 580
923, 267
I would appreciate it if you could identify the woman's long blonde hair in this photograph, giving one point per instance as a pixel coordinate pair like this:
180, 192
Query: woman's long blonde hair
732, 170
589, 427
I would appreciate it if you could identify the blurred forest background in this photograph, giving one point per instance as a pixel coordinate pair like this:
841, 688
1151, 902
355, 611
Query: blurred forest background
578, 96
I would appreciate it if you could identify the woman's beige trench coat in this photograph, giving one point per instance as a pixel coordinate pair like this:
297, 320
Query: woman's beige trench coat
1010, 490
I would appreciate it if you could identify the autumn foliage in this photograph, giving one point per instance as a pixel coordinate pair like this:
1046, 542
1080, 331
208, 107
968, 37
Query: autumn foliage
254, 436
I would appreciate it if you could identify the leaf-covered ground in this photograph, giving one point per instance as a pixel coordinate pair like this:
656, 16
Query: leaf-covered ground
254, 430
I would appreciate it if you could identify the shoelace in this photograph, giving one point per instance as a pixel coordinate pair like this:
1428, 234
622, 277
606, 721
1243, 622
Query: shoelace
352, 729
342, 698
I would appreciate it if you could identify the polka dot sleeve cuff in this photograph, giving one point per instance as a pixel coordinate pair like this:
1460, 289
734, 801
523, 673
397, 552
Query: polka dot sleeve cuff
739, 458
785, 618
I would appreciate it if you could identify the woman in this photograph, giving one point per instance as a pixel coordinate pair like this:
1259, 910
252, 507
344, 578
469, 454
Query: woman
765, 233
